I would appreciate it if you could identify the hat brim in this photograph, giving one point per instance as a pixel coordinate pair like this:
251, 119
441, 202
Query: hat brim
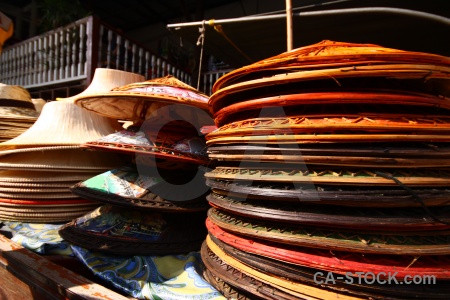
342, 104
137, 101
364, 196
127, 188
327, 54
20, 114
400, 220
284, 232
180, 234
59, 158
331, 176
57, 217
325, 260
49, 202
438, 81
234, 284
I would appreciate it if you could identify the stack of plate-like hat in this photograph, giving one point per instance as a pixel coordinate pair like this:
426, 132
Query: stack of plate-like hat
17, 111
332, 173
154, 208
39, 166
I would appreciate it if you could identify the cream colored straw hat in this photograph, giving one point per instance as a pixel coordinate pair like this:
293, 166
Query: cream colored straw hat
62, 123
105, 80
28, 177
38, 104
59, 158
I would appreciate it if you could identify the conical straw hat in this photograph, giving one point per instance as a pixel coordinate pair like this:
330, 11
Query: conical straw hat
141, 99
21, 114
38, 104
48, 203
38, 190
62, 123
37, 185
51, 217
28, 177
44, 196
105, 80
16, 115
327, 54
59, 158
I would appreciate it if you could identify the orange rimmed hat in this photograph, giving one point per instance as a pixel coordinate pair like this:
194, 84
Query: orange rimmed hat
138, 101
328, 54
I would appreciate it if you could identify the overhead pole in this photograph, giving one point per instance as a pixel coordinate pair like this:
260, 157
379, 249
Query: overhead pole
344, 11
289, 27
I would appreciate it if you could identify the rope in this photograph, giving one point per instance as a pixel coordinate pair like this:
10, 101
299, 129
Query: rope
413, 194
219, 29
200, 41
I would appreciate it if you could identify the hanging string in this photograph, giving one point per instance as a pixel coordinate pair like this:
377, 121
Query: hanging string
219, 29
414, 196
200, 41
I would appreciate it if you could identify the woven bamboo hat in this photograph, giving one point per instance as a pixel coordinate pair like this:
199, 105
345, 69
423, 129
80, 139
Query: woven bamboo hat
15, 95
17, 111
137, 101
62, 123
334, 66
38, 104
59, 159
44, 214
104, 80
17, 115
120, 231
326, 54
28, 178
126, 187
334, 261
42, 185
175, 142
15, 120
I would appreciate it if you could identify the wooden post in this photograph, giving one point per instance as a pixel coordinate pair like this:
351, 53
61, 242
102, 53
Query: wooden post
93, 30
290, 39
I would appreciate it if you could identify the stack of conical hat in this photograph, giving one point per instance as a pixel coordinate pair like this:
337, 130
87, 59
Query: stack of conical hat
330, 159
140, 101
40, 165
165, 178
17, 112
154, 208
166, 116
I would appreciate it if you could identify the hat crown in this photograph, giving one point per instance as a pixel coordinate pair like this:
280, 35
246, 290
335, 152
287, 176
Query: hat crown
14, 92
168, 80
105, 80
62, 123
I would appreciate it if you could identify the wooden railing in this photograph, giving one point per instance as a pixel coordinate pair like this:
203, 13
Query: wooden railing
209, 78
72, 53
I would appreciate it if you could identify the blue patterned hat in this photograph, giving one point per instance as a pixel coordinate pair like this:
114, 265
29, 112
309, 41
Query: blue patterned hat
120, 231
